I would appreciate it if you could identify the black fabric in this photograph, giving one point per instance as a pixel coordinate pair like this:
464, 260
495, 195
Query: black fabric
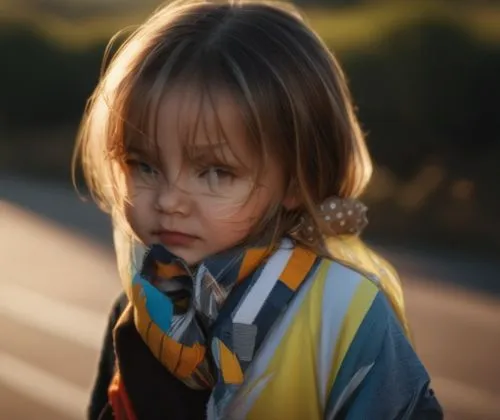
427, 407
153, 391
105, 370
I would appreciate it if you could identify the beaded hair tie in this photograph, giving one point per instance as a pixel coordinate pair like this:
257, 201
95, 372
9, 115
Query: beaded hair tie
335, 217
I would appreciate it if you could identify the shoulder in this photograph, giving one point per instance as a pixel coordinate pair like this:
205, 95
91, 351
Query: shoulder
353, 313
354, 253
342, 291
358, 322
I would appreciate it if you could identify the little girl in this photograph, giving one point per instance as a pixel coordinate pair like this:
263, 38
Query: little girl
223, 140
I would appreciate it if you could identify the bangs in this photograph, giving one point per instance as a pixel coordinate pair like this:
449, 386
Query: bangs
203, 102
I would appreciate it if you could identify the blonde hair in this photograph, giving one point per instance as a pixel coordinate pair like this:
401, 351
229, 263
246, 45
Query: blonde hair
293, 96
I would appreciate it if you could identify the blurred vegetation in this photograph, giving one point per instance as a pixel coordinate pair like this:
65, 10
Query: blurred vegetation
425, 77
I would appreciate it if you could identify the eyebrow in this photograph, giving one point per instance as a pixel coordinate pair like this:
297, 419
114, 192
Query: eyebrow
197, 151
138, 149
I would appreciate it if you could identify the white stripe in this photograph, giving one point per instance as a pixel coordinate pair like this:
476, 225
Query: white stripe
43, 387
257, 295
340, 285
69, 322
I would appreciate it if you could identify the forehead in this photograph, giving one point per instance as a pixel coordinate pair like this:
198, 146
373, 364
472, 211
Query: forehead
188, 117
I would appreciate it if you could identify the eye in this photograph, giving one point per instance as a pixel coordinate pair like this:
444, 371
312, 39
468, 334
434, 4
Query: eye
146, 169
217, 176
141, 168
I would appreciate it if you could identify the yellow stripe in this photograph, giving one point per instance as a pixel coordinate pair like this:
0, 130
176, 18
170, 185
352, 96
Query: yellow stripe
297, 268
360, 304
297, 354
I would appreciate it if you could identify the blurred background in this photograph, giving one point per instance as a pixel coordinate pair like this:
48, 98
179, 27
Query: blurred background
425, 76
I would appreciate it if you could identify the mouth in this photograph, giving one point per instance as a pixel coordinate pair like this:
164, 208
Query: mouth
175, 238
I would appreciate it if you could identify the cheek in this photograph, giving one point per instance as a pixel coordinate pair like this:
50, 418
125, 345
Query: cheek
240, 213
139, 207
228, 216
141, 196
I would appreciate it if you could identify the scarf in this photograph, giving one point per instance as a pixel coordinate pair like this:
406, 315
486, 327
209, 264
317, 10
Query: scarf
175, 307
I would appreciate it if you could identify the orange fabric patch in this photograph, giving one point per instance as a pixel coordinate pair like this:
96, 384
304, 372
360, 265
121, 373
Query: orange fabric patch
169, 270
229, 365
251, 260
297, 268
187, 358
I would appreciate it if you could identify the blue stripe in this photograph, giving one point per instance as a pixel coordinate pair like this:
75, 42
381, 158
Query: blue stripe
364, 348
159, 306
276, 301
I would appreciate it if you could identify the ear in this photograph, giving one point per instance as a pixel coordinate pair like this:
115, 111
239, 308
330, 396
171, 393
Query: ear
291, 200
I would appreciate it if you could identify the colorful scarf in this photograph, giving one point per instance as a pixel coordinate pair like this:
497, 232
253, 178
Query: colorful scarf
174, 307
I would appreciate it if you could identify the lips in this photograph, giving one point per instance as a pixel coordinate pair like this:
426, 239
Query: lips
175, 238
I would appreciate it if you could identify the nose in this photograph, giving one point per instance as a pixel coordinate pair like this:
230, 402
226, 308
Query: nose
172, 200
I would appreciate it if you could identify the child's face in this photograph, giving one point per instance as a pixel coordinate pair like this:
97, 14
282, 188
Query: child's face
199, 196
